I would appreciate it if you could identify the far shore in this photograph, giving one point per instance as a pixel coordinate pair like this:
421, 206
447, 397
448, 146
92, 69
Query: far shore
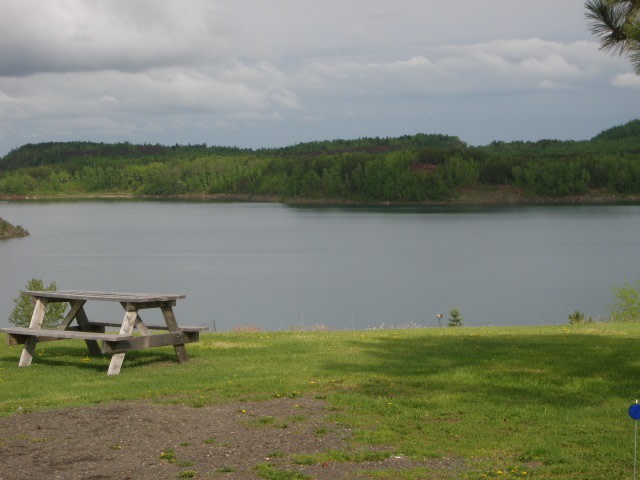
492, 196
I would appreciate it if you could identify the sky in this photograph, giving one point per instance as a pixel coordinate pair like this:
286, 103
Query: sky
252, 73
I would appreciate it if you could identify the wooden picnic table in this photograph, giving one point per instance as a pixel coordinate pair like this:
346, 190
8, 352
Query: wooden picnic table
92, 331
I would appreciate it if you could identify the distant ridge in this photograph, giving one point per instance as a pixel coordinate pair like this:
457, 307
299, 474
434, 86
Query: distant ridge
628, 130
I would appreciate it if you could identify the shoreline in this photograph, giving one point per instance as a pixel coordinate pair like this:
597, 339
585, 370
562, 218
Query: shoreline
502, 196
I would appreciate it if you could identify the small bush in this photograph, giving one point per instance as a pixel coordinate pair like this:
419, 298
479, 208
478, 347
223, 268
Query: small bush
576, 317
627, 306
23, 310
455, 318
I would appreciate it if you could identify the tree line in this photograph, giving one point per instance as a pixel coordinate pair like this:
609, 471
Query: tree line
404, 169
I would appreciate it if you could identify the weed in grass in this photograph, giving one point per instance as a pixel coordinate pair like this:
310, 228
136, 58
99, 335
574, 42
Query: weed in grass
265, 421
276, 454
297, 418
168, 455
187, 474
271, 472
405, 474
198, 402
341, 456
306, 459
321, 431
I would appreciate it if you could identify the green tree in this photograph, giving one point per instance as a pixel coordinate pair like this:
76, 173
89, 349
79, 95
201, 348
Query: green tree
616, 24
455, 317
21, 314
627, 306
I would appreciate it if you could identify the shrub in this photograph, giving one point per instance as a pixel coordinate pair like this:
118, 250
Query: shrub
627, 305
23, 310
576, 317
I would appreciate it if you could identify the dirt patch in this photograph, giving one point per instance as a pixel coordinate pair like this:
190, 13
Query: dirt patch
139, 440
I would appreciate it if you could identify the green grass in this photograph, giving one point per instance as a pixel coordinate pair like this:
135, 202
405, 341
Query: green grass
549, 401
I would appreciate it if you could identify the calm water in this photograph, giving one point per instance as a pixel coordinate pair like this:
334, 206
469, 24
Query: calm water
275, 266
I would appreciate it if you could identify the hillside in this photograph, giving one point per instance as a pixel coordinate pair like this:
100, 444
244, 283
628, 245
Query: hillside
422, 168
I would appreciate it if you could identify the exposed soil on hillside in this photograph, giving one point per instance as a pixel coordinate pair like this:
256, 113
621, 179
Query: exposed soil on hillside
139, 440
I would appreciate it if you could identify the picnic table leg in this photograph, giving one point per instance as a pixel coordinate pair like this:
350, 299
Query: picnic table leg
172, 325
83, 321
36, 322
127, 327
76, 305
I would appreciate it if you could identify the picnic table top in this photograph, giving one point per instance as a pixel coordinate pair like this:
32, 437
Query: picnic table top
105, 296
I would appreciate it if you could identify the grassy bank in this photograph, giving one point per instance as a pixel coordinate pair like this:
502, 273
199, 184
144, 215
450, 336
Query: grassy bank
541, 402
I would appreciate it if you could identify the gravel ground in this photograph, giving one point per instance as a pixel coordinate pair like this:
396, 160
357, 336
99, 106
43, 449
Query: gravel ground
139, 440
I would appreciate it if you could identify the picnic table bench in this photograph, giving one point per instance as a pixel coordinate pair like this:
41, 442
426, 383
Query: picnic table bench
93, 331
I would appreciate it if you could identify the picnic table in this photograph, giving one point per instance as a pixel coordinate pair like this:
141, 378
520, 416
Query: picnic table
93, 331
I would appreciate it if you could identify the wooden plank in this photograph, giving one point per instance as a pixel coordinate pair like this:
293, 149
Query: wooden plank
83, 322
170, 319
127, 327
184, 328
97, 323
61, 334
150, 341
37, 317
76, 305
66, 295
129, 305
141, 327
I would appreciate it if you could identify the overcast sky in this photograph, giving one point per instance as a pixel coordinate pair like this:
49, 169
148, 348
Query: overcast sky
254, 73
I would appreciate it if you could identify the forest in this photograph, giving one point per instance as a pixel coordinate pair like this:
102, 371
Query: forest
408, 169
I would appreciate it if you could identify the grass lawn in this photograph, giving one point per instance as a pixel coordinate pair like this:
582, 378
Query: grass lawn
516, 402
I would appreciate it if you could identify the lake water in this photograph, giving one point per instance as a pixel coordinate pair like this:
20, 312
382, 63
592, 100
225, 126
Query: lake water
275, 267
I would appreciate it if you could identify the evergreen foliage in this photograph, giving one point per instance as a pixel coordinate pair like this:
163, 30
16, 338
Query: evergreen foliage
455, 318
616, 24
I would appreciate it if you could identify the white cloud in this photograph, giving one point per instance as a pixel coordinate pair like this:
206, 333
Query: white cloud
503, 65
160, 90
626, 80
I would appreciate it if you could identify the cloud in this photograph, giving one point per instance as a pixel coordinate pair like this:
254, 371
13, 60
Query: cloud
496, 66
79, 36
626, 80
224, 88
